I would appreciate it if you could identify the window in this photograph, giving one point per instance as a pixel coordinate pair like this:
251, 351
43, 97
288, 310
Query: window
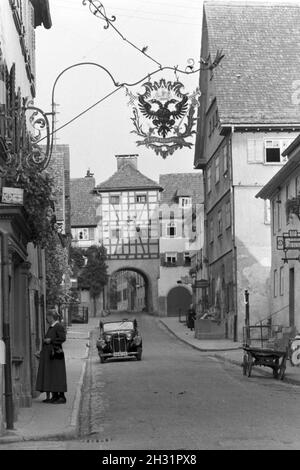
185, 202
217, 163
275, 283
115, 233
82, 234
114, 199
171, 229
272, 154
211, 230
273, 217
227, 215
187, 259
208, 180
274, 149
281, 280
141, 198
225, 159
278, 203
171, 258
220, 223
210, 127
216, 118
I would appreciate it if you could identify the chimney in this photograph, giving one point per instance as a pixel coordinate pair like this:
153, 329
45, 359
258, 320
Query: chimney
127, 159
89, 174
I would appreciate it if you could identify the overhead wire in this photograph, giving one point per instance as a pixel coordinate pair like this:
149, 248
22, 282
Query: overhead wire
118, 85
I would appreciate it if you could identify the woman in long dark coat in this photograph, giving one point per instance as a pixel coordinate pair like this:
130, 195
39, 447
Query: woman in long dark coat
51, 376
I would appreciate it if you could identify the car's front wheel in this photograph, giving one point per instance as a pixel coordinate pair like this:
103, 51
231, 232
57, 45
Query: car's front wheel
139, 354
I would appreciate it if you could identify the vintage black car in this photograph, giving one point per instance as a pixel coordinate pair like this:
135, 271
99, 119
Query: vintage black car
119, 339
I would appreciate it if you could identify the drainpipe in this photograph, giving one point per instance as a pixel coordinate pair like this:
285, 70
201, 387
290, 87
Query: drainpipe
8, 391
234, 258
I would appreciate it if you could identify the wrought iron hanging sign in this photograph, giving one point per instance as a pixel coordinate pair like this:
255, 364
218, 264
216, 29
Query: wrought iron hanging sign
22, 126
164, 116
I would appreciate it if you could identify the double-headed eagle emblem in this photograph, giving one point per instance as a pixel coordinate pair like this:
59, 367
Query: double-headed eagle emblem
169, 116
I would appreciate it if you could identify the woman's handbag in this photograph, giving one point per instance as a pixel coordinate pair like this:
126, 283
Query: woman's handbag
57, 353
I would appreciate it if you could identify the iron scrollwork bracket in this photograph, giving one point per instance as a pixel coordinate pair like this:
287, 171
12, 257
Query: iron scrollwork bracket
39, 129
97, 9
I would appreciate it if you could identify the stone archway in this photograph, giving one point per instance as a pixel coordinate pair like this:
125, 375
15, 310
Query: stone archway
149, 270
179, 299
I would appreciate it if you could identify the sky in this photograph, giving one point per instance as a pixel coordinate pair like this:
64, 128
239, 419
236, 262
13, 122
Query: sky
172, 31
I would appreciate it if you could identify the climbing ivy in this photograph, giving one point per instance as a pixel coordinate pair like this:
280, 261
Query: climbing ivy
39, 197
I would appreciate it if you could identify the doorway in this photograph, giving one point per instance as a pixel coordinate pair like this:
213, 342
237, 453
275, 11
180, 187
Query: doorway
178, 301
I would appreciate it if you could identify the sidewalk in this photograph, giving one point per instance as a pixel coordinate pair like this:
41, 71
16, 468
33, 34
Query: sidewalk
225, 349
46, 421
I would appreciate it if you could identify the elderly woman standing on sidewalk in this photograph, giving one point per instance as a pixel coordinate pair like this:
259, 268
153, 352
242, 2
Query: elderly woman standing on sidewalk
51, 376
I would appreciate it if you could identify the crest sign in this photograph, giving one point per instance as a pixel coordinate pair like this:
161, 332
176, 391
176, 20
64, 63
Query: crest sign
164, 116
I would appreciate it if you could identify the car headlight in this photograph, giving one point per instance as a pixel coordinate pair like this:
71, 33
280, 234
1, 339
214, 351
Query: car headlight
137, 340
128, 335
108, 338
100, 343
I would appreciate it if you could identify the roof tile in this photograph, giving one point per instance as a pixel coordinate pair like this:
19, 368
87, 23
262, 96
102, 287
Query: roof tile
256, 79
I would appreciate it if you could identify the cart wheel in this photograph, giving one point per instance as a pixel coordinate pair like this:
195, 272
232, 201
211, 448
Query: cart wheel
281, 370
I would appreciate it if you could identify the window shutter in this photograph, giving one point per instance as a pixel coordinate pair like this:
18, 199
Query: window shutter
255, 151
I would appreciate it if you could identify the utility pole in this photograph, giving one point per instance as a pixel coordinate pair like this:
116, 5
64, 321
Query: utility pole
247, 315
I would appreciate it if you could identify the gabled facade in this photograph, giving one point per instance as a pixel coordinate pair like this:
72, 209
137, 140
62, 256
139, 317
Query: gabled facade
84, 232
128, 212
83, 211
248, 116
127, 215
283, 192
181, 236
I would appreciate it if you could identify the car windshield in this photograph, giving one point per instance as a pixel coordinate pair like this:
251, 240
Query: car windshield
118, 325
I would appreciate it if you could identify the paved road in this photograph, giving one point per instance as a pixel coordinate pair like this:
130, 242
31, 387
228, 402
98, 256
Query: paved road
179, 398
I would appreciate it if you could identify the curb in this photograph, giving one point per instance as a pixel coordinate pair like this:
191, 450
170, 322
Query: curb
74, 421
76, 406
193, 345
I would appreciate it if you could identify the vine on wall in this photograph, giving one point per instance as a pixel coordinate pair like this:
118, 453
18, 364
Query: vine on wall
39, 198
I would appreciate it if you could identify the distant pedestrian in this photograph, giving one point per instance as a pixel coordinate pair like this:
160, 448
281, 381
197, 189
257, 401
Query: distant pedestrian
51, 376
191, 316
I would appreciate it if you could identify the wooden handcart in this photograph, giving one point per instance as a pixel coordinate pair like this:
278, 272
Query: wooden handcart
262, 348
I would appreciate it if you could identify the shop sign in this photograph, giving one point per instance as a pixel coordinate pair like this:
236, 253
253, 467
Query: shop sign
12, 195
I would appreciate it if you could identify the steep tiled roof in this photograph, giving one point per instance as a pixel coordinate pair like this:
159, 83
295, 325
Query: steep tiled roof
256, 79
181, 184
127, 177
83, 209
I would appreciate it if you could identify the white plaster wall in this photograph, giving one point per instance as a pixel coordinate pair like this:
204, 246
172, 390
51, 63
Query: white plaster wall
253, 251
169, 277
11, 48
244, 170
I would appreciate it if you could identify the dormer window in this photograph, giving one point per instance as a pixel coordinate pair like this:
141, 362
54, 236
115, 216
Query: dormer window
185, 202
